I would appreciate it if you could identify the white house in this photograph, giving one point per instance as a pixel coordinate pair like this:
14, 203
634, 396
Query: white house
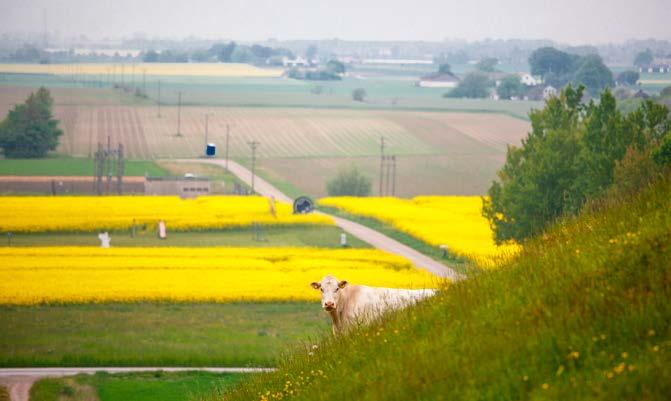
296, 62
530, 80
438, 80
549, 91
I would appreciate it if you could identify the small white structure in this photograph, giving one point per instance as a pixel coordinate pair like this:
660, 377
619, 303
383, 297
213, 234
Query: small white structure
549, 91
438, 81
295, 62
529, 80
162, 231
105, 239
343, 240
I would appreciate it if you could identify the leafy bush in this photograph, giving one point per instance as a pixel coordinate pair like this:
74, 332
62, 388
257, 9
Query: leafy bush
349, 182
359, 94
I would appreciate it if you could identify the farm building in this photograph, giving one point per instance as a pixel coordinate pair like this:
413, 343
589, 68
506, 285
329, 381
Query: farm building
549, 91
438, 80
658, 66
529, 80
185, 187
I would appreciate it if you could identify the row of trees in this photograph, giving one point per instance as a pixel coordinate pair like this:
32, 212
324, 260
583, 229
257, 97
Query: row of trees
559, 68
222, 52
575, 152
30, 129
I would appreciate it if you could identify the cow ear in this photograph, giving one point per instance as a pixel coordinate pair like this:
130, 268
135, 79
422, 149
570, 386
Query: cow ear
342, 284
316, 285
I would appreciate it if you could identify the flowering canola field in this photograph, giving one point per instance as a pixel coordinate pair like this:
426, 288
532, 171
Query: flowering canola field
94, 213
455, 221
34, 275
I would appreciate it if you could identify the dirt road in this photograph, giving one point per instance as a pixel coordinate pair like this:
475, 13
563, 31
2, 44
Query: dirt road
375, 238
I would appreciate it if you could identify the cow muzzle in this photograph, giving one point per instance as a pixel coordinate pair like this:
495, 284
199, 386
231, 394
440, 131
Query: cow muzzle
329, 306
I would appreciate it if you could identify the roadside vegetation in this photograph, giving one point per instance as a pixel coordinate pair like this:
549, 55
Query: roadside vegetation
149, 386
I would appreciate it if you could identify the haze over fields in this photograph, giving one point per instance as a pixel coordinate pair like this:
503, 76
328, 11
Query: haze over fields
569, 21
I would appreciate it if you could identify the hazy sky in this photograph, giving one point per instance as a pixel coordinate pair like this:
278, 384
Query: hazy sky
568, 21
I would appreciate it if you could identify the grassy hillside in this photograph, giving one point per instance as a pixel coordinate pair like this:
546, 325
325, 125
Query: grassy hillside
584, 313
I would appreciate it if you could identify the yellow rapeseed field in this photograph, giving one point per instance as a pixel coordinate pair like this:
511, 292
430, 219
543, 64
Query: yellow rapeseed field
164, 69
33, 275
455, 221
95, 213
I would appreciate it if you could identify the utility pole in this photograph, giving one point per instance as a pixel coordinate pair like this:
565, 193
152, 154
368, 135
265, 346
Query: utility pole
159, 99
381, 164
387, 188
253, 145
228, 128
179, 113
207, 115
393, 175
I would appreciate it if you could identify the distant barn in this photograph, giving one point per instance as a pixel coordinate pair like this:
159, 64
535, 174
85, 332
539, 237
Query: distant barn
438, 80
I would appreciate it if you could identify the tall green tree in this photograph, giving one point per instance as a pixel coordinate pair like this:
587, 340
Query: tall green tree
474, 85
627, 77
445, 68
510, 86
644, 58
546, 60
538, 175
30, 130
593, 74
487, 64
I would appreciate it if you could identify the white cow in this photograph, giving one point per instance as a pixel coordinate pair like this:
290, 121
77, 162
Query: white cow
349, 305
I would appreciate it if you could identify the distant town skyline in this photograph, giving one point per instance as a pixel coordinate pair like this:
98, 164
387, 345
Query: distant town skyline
573, 22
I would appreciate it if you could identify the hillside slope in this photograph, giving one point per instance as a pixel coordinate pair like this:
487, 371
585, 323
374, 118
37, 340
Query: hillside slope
584, 313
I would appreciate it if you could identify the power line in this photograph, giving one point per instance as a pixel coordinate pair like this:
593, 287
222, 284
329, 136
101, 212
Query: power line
227, 136
381, 164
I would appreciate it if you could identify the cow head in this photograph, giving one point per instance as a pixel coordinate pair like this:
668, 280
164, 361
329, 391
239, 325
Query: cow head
330, 288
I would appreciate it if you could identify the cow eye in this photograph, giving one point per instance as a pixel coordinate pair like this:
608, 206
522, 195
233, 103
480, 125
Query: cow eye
321, 289
336, 290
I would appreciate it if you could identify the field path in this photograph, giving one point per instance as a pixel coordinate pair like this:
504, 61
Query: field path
374, 238
19, 380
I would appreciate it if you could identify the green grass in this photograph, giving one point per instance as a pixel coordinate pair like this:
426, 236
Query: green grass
582, 313
149, 386
299, 236
63, 166
156, 334
455, 262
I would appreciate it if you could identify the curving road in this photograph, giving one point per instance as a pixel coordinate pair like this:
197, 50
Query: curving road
375, 238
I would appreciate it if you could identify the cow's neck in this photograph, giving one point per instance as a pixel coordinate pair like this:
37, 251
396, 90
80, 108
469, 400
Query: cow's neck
335, 316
